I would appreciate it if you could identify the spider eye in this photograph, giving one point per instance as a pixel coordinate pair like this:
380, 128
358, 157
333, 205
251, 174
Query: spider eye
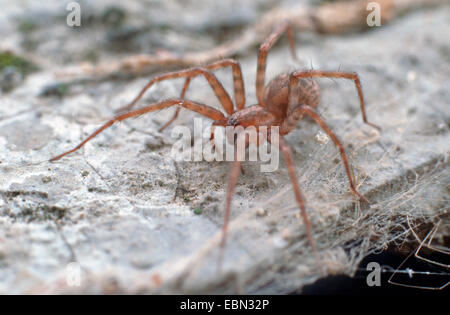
232, 121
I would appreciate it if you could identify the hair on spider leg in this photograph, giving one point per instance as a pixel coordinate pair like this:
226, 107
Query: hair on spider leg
311, 64
338, 70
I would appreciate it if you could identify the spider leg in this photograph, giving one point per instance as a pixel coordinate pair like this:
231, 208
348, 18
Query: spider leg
286, 150
202, 109
217, 87
298, 114
262, 57
175, 115
234, 174
238, 82
336, 74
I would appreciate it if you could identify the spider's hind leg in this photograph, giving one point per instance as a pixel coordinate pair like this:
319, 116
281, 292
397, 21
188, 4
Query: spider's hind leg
298, 75
298, 114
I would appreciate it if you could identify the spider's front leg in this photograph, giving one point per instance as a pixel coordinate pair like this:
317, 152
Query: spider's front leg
287, 153
177, 111
238, 82
202, 109
233, 177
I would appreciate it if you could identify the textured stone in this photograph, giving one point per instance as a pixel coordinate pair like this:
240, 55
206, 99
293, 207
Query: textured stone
127, 213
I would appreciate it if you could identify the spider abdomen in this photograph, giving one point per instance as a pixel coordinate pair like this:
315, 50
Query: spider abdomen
276, 94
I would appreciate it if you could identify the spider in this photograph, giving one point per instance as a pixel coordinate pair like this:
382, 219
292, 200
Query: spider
283, 102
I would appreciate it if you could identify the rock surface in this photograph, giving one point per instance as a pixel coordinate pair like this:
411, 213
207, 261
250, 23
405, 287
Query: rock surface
128, 218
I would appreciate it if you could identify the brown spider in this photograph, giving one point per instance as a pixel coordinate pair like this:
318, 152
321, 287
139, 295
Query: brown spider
282, 103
